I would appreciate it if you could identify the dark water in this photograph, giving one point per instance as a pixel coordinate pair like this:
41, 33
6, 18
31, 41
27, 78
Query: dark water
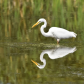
57, 64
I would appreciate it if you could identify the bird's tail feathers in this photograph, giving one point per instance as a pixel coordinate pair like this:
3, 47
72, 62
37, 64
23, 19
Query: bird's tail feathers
73, 50
74, 34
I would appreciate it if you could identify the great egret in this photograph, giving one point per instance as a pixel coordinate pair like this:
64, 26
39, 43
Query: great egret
55, 32
58, 52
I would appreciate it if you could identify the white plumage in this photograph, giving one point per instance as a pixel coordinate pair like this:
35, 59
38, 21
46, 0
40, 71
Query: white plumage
55, 32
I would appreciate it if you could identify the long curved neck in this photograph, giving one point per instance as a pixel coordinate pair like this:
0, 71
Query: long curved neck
42, 30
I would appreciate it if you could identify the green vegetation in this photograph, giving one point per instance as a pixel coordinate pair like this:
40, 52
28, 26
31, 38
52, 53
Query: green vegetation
17, 17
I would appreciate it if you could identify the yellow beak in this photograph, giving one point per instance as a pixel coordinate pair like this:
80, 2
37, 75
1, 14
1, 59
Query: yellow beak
35, 24
34, 62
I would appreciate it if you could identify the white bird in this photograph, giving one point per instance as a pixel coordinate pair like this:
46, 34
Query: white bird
55, 32
58, 52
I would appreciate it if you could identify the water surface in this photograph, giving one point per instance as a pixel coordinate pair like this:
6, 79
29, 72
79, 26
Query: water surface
64, 63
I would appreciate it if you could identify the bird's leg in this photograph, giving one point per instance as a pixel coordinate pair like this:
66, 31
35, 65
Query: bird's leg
58, 41
55, 37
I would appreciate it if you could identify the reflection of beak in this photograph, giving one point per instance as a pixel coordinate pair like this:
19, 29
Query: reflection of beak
35, 24
34, 62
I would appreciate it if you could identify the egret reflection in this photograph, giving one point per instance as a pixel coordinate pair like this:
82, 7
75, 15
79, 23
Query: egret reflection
55, 53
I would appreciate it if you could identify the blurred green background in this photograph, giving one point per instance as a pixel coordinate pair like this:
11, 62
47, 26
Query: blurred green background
18, 16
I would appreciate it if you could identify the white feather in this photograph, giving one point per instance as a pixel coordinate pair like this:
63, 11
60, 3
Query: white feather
57, 33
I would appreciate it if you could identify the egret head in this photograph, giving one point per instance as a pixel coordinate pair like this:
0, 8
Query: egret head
39, 21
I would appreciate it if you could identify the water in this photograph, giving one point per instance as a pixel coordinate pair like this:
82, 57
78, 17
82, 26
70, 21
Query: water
64, 62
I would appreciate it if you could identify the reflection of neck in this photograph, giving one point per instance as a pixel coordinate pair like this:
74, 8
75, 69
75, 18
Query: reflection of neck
42, 60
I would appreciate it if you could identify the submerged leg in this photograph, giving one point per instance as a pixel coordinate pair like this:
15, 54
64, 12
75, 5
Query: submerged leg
58, 41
